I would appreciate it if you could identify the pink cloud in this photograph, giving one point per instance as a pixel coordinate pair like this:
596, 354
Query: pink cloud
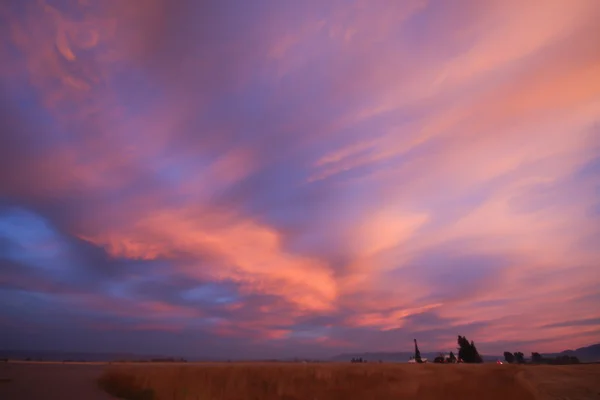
390, 320
241, 251
316, 158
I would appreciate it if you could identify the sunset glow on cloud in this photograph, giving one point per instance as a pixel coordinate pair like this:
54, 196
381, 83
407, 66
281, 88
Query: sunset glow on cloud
274, 178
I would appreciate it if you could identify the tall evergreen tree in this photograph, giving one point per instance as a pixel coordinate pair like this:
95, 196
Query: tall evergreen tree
475, 354
467, 351
463, 349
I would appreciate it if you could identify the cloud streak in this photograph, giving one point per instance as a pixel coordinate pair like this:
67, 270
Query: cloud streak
300, 178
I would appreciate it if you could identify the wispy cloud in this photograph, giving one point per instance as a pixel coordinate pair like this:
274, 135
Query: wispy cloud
275, 177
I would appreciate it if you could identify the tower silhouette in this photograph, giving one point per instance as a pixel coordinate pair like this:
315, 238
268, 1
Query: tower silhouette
417, 353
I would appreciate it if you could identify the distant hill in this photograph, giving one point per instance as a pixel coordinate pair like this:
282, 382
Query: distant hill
383, 356
41, 355
584, 354
72, 356
403, 356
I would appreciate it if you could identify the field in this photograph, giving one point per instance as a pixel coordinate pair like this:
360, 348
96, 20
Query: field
51, 381
239, 381
356, 381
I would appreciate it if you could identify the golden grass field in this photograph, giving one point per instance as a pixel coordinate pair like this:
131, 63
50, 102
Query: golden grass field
246, 381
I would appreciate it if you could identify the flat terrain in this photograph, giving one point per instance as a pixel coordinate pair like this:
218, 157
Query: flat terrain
360, 381
241, 381
51, 381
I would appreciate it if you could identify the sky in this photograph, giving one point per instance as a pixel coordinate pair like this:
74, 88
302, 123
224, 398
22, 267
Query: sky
274, 178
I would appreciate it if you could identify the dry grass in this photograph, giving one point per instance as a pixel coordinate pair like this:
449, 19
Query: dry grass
352, 381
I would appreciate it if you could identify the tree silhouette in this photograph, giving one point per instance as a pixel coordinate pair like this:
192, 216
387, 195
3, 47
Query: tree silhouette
509, 357
536, 357
467, 351
573, 360
452, 357
463, 348
519, 357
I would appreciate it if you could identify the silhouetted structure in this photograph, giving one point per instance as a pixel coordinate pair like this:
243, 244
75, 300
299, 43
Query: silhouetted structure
452, 357
509, 357
445, 359
417, 353
467, 352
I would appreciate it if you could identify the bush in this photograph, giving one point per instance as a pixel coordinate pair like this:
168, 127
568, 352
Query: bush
124, 386
519, 357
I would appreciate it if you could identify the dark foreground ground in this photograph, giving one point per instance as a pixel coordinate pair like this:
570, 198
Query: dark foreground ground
276, 381
51, 381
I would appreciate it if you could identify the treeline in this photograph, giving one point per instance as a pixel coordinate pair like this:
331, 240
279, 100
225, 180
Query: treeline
537, 358
467, 353
156, 360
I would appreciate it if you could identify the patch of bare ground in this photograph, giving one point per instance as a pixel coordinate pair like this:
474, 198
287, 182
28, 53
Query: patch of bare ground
51, 381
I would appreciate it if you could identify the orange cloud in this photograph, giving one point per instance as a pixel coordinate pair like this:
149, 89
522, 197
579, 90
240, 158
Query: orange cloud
389, 320
355, 142
242, 251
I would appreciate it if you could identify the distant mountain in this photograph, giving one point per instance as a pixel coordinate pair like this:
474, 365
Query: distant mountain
584, 354
41, 355
72, 356
383, 356
403, 356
